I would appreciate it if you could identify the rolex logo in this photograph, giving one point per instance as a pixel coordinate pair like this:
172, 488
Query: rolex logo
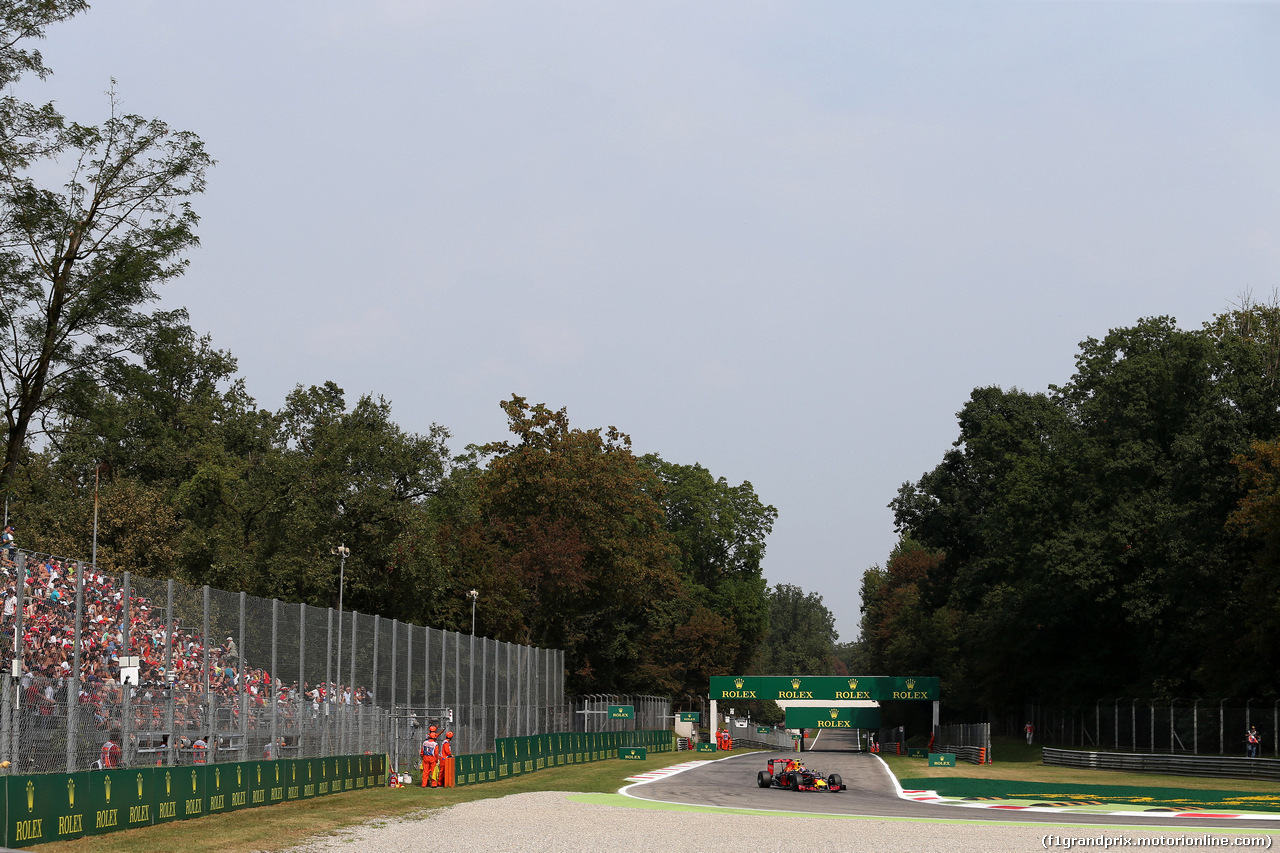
911, 684
106, 788
238, 781
217, 779
139, 786
738, 682
853, 684
31, 795
259, 775
835, 712
795, 684
193, 781
168, 781
71, 793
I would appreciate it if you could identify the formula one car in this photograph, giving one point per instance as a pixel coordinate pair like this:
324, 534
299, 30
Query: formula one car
791, 774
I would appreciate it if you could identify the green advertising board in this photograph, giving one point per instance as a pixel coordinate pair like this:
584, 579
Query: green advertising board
833, 718
621, 712
46, 807
879, 688
942, 759
689, 716
762, 730
706, 747
917, 752
633, 753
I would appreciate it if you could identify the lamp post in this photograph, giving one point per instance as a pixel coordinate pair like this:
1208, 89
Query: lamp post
341, 552
473, 595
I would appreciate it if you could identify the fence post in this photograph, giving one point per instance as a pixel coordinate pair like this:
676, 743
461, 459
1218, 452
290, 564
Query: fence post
73, 690
302, 679
170, 678
426, 673
327, 724
240, 688
508, 696
273, 688
126, 691
373, 683
351, 684
210, 705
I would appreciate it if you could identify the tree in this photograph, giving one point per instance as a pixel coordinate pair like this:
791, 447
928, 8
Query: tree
576, 526
802, 635
719, 531
80, 262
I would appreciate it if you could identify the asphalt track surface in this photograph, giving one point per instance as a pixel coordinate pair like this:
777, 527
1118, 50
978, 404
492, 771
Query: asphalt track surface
872, 792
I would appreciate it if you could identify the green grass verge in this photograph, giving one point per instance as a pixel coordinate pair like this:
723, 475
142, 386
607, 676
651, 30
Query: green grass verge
1017, 762
288, 825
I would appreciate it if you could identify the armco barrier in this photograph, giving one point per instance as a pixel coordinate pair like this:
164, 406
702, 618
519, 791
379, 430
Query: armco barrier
514, 756
64, 806
1223, 767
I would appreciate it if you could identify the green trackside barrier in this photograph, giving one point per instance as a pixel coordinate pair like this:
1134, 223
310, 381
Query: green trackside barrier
60, 806
518, 755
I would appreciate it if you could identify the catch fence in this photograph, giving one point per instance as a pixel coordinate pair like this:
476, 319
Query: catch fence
220, 676
1216, 726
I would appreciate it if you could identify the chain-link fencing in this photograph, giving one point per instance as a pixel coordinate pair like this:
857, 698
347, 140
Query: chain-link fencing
1214, 726
136, 671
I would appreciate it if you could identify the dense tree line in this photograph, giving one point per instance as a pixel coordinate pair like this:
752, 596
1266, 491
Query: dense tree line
1112, 536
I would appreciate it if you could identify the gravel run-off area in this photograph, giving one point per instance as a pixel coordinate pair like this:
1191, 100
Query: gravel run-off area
551, 822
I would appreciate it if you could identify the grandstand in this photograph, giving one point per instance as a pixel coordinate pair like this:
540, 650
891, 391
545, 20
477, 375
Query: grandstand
177, 674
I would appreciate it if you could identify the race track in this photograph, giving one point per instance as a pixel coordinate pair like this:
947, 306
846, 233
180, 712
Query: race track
872, 792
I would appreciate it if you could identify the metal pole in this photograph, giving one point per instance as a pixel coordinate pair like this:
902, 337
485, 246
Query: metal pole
240, 688
73, 691
302, 678
327, 725
471, 689
170, 677
126, 643
508, 696
351, 682
212, 722
395, 624
273, 688
19, 666
342, 551
373, 675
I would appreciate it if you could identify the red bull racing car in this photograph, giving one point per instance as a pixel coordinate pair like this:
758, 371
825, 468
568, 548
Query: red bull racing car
789, 773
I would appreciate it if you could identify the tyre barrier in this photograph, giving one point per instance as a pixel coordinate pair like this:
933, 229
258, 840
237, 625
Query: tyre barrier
64, 806
514, 756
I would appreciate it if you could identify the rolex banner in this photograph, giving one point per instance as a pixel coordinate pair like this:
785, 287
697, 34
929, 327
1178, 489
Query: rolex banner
825, 688
59, 806
833, 718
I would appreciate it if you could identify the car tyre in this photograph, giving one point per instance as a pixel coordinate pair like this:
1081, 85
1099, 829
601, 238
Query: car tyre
835, 782
794, 780
764, 780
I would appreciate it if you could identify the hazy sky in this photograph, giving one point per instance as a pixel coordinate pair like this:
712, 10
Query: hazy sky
782, 240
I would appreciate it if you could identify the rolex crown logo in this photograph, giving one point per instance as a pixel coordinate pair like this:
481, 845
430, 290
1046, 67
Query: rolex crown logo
738, 682
911, 684
795, 684
835, 712
853, 684
168, 780
139, 786
193, 781
237, 777
217, 779
106, 788
31, 795
71, 793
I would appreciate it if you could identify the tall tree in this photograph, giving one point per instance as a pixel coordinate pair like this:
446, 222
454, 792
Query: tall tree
802, 635
719, 531
81, 256
578, 529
